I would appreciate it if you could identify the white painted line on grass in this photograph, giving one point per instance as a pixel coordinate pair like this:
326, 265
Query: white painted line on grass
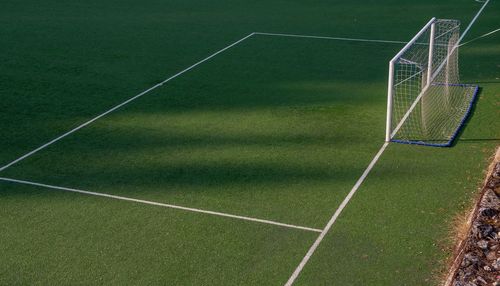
473, 21
264, 221
315, 245
335, 216
329, 38
480, 37
443, 63
123, 103
176, 75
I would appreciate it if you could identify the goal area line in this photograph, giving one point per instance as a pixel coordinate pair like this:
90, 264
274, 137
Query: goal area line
329, 38
165, 205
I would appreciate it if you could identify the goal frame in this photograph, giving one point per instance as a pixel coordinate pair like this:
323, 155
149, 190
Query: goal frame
427, 81
390, 85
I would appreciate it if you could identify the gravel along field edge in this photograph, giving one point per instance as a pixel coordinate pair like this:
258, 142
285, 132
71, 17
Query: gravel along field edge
476, 257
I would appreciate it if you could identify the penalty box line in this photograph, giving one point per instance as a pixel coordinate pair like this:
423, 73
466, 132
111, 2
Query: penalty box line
175, 76
330, 38
171, 206
123, 103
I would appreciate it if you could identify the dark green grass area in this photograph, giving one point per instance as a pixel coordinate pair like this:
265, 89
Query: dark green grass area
275, 128
67, 62
58, 238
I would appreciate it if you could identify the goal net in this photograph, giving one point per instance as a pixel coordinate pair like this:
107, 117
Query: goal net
427, 105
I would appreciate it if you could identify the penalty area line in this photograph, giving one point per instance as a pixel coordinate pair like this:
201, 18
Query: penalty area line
2, 168
123, 103
214, 213
329, 38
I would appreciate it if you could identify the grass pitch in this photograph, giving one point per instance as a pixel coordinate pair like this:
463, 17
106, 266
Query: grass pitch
274, 128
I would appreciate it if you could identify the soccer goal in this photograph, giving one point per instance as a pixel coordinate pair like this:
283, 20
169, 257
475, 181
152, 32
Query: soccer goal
426, 104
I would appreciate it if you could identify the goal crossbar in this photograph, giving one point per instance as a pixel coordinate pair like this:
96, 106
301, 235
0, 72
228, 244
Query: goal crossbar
426, 104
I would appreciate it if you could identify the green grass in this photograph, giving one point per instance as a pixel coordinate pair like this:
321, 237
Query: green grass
70, 61
57, 238
257, 131
274, 128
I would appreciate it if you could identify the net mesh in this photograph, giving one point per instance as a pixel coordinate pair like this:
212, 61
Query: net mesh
429, 103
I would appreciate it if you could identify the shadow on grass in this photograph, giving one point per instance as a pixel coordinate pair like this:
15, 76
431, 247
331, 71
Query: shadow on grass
468, 119
471, 140
236, 127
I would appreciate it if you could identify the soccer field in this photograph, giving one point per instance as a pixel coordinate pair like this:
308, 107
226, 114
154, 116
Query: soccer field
227, 143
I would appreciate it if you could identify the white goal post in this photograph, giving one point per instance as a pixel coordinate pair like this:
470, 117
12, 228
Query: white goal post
426, 104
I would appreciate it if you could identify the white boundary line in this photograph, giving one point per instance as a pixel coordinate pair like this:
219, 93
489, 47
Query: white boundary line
264, 221
123, 103
480, 37
315, 245
329, 38
473, 21
457, 45
332, 220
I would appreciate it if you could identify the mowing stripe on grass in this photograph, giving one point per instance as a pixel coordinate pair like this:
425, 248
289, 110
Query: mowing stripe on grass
123, 103
329, 38
161, 204
332, 220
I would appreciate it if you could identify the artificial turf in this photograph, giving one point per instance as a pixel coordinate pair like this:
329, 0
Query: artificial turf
276, 128
263, 130
57, 238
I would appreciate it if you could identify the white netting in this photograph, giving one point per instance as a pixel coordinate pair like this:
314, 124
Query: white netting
428, 101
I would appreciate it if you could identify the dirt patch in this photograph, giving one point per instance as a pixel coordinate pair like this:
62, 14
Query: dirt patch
477, 256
